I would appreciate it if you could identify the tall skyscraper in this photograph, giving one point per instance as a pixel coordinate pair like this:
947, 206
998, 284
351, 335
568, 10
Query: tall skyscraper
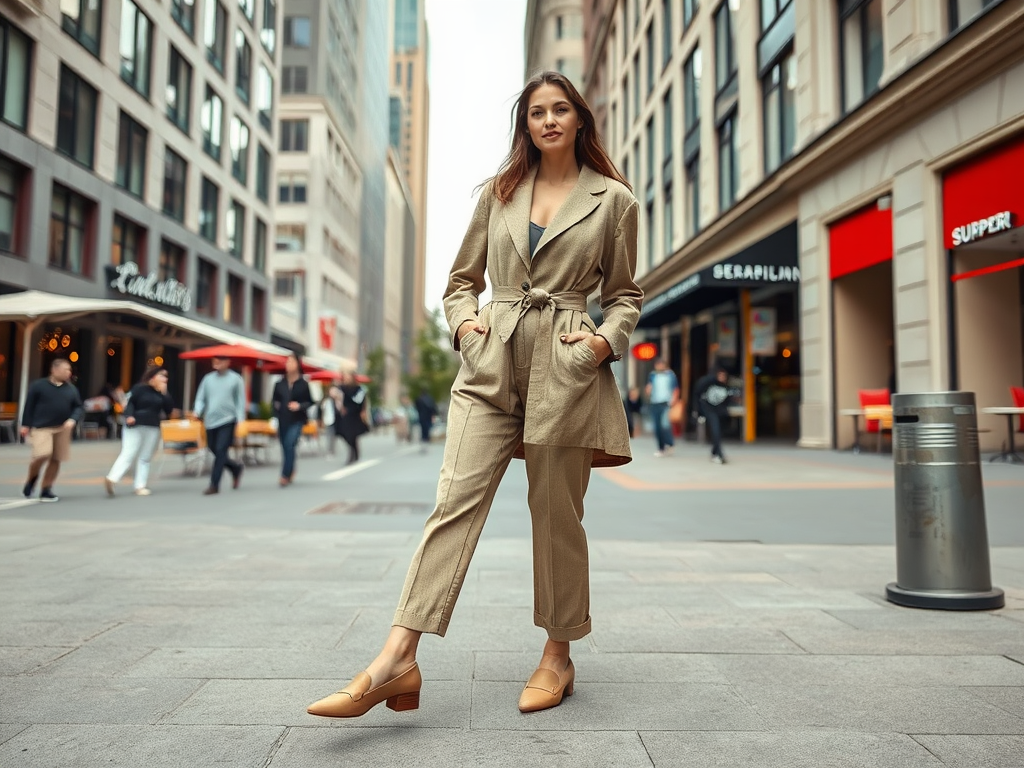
554, 38
409, 128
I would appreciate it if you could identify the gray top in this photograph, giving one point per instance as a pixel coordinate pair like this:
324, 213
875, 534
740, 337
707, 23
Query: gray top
221, 398
536, 233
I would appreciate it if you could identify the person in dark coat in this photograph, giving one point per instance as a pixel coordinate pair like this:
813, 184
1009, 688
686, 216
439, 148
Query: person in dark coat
711, 394
426, 410
350, 422
292, 402
148, 404
634, 407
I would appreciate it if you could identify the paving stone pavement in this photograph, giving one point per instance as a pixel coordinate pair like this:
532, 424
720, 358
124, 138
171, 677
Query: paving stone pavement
180, 630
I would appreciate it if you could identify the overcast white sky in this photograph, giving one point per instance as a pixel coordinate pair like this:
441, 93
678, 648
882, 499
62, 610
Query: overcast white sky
476, 71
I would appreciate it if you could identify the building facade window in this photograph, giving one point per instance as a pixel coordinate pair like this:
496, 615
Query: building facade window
83, 20
294, 79
127, 243
135, 44
131, 156
861, 50
290, 237
172, 262
236, 229
692, 196
206, 288
215, 34
12, 202
297, 32
559, 27
692, 71
239, 143
963, 11
728, 167
263, 173
289, 285
636, 86
212, 121
70, 219
265, 96
175, 177
15, 69
184, 13
248, 8
690, 8
291, 188
771, 10
179, 90
666, 32
209, 206
667, 144
76, 118
234, 301
725, 49
268, 30
625, 106
259, 246
294, 136
779, 87
243, 66
650, 57
259, 310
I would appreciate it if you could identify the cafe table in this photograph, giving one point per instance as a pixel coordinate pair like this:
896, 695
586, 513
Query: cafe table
251, 436
1009, 455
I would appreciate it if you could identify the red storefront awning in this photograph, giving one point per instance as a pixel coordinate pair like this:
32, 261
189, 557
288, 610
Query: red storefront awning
984, 195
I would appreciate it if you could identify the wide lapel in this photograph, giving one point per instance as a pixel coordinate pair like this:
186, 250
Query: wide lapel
517, 216
580, 203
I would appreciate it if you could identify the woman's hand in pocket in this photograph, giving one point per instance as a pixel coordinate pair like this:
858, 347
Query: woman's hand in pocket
598, 344
470, 326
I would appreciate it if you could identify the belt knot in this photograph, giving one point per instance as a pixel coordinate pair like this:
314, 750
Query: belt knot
537, 297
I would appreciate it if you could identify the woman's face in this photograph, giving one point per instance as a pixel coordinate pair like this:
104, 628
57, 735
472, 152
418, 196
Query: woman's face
552, 119
291, 365
159, 380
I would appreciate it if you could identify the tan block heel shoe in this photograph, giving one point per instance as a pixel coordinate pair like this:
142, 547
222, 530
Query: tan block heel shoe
545, 689
357, 698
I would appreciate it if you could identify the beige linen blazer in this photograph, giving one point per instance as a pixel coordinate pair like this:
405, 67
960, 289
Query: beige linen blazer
591, 242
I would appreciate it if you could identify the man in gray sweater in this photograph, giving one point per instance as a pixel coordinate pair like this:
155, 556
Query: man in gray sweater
220, 403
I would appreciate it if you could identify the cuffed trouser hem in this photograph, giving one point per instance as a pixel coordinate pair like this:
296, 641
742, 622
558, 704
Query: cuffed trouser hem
563, 634
432, 625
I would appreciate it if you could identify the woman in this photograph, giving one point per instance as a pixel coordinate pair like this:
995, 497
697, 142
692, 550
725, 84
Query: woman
291, 402
634, 408
147, 402
350, 421
553, 225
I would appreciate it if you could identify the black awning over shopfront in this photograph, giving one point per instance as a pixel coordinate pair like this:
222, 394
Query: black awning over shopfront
773, 260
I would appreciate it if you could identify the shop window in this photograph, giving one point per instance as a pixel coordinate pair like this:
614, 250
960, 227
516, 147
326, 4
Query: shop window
294, 79
239, 143
690, 8
263, 173
206, 288
861, 50
265, 97
259, 247
212, 122
963, 11
779, 87
666, 32
236, 229
208, 208
268, 30
215, 34
290, 237
728, 167
15, 67
135, 45
649, 42
179, 90
76, 118
82, 19
291, 188
234, 301
70, 220
296, 32
771, 10
184, 12
175, 173
248, 8
243, 66
127, 243
131, 156
259, 310
172, 262
13, 201
725, 47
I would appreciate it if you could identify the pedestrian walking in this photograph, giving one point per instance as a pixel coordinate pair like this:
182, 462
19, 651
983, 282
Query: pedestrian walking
329, 417
350, 423
291, 402
147, 402
711, 394
53, 408
662, 393
634, 408
426, 412
557, 222
220, 403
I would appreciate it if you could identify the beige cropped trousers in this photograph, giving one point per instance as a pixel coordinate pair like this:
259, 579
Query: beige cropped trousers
481, 440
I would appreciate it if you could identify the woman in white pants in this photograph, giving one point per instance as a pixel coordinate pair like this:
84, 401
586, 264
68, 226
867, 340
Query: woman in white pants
148, 402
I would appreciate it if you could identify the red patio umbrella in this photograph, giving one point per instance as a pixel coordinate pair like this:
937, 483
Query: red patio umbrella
238, 353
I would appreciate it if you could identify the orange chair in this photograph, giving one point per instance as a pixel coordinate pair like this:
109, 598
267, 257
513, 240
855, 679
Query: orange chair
1017, 393
185, 438
877, 412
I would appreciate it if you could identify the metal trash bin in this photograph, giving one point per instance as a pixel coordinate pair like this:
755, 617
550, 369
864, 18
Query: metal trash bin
942, 557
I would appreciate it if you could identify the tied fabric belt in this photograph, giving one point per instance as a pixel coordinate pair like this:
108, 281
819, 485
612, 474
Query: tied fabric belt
547, 304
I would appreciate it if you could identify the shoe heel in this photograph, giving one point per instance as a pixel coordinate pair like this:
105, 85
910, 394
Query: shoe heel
569, 688
404, 701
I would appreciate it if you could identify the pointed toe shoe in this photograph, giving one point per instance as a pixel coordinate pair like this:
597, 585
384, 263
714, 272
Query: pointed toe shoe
359, 697
546, 688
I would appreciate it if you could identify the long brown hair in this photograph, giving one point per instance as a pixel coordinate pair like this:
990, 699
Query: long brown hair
524, 154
